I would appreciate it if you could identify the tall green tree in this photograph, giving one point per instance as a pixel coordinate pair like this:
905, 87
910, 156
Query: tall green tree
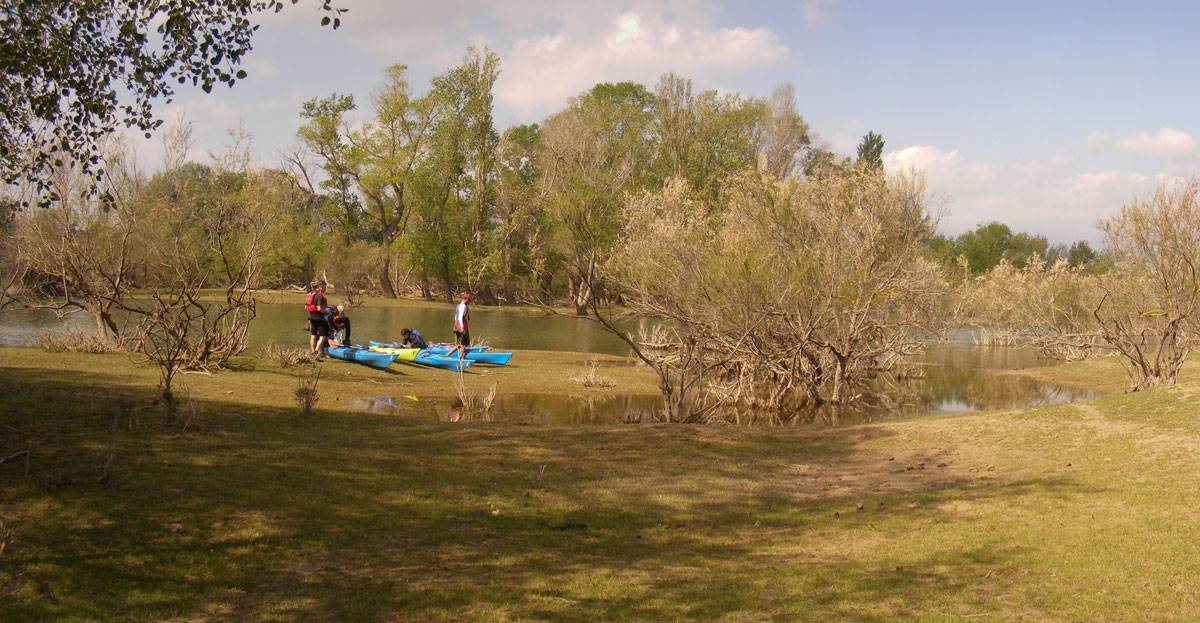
379, 160
870, 151
594, 153
453, 236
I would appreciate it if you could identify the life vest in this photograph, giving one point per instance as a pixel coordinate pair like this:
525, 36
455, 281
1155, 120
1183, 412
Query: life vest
310, 302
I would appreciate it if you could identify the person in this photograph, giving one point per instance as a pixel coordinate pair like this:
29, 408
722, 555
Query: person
318, 325
462, 327
340, 323
413, 338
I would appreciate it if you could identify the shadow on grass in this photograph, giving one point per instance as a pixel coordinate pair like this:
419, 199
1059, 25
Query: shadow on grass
353, 516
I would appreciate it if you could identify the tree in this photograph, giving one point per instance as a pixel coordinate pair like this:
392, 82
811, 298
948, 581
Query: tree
783, 136
80, 254
456, 188
594, 153
72, 72
1142, 309
1081, 254
522, 226
987, 245
870, 151
376, 162
704, 138
794, 292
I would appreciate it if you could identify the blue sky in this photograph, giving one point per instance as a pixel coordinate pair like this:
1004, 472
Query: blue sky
1047, 116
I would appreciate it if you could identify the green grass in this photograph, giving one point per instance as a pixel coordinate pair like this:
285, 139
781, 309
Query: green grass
1064, 513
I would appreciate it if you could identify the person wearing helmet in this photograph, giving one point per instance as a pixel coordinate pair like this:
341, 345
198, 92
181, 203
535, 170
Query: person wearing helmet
462, 327
339, 322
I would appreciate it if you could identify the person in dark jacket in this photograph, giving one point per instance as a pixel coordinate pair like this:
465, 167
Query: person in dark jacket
413, 338
340, 323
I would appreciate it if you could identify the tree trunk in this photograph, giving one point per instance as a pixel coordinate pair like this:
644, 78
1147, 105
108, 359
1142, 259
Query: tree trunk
101, 330
385, 280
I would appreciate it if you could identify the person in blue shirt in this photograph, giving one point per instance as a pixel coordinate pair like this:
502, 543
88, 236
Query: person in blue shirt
413, 338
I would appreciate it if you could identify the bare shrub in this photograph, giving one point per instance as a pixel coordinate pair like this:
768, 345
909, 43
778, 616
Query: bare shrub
306, 392
285, 356
591, 377
469, 405
73, 341
1143, 310
792, 292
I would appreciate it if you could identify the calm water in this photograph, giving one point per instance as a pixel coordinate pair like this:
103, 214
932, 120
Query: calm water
958, 376
285, 324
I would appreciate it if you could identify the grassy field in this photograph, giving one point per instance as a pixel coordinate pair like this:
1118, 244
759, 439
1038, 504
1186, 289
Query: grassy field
1066, 513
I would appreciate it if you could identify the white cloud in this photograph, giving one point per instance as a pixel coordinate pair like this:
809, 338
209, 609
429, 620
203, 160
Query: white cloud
926, 158
1056, 198
1166, 142
541, 72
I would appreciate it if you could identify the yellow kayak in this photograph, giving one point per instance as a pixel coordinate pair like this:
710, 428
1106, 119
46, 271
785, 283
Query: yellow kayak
402, 354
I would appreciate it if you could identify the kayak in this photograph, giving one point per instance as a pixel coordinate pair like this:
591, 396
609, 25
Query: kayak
478, 356
478, 348
358, 354
426, 358
436, 346
421, 357
402, 354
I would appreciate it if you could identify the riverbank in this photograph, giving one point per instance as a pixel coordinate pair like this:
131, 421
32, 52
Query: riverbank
1065, 512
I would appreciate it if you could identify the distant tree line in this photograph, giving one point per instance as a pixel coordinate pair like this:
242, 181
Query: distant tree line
986, 246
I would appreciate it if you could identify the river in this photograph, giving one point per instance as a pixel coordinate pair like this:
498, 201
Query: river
958, 375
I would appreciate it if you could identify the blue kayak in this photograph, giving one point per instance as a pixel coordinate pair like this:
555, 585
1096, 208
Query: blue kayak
442, 346
361, 355
478, 356
426, 358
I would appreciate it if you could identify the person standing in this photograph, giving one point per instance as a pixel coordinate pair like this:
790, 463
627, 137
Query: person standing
462, 327
318, 325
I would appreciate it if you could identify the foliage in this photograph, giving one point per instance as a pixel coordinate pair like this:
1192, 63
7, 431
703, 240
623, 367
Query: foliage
80, 254
73, 72
870, 151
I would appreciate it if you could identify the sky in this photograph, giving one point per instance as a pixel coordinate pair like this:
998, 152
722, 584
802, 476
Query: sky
1043, 115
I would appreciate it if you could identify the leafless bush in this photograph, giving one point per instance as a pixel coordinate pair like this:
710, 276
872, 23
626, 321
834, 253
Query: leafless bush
469, 405
285, 356
306, 389
591, 377
793, 292
1142, 310
73, 341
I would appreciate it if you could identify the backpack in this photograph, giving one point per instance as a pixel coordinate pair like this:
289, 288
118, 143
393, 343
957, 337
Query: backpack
310, 304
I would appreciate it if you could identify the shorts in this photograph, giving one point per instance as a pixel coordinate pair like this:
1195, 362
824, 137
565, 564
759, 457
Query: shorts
462, 338
318, 326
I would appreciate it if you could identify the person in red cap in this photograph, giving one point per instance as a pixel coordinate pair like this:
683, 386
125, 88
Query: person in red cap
462, 327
